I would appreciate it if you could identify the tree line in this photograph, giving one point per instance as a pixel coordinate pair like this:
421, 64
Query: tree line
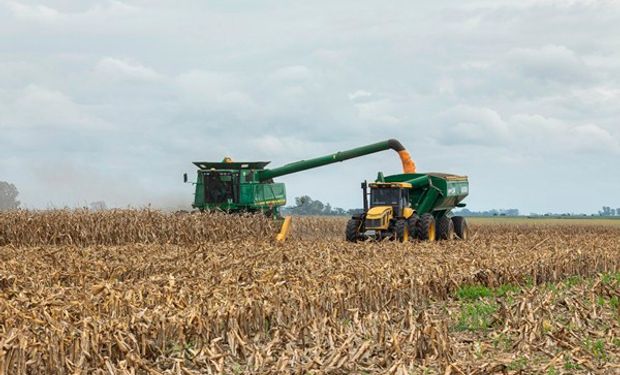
304, 205
494, 212
9, 201
8, 196
608, 211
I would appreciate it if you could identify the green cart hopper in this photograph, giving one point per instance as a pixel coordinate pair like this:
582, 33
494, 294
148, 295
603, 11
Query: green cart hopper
411, 206
249, 186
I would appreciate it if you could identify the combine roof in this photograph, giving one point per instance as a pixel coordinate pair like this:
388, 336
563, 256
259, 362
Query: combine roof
206, 165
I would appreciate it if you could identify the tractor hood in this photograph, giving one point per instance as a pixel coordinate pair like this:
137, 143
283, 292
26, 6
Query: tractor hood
378, 212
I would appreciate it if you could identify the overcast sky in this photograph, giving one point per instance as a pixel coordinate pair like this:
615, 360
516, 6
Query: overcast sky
113, 100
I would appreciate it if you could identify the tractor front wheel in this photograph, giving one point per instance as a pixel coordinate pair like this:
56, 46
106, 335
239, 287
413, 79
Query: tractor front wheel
445, 228
426, 228
352, 233
401, 228
460, 227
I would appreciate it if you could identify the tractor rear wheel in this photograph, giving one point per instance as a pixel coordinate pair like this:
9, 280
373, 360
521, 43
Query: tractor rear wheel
352, 233
401, 228
413, 222
445, 228
426, 228
460, 227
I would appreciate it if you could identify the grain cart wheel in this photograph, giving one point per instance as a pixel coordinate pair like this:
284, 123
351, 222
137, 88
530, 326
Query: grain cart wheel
352, 233
413, 222
426, 228
402, 230
460, 227
445, 228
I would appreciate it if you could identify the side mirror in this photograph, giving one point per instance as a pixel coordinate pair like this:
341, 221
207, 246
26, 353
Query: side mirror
185, 177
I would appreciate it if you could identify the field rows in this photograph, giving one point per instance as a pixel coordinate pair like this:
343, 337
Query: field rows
515, 297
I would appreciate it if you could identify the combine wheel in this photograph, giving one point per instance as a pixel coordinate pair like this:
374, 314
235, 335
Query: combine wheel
413, 222
402, 230
352, 233
445, 228
426, 228
460, 227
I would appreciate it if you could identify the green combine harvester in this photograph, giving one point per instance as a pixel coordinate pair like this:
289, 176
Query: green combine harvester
249, 187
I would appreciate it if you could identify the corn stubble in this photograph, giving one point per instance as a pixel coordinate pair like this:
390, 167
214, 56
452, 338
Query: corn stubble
153, 301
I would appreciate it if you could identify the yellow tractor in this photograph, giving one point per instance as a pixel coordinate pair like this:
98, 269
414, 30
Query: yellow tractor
411, 206
388, 215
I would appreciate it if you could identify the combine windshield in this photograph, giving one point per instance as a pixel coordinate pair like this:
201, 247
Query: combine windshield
384, 197
219, 187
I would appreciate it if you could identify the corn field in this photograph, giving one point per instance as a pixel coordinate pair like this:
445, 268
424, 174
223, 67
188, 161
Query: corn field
120, 227
142, 292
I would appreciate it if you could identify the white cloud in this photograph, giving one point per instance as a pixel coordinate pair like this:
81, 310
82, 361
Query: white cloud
215, 91
40, 107
592, 138
523, 132
119, 69
446, 86
111, 8
285, 147
49, 15
293, 73
603, 99
39, 13
549, 63
359, 94
381, 111
470, 125
535, 133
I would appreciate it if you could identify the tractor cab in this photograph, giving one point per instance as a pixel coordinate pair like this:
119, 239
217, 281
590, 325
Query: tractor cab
393, 194
388, 200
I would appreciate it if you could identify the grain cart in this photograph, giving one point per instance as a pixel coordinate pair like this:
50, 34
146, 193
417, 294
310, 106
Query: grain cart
411, 206
249, 186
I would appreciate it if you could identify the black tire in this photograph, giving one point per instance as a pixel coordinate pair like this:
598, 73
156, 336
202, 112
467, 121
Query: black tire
413, 222
352, 233
401, 229
445, 228
461, 229
426, 228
